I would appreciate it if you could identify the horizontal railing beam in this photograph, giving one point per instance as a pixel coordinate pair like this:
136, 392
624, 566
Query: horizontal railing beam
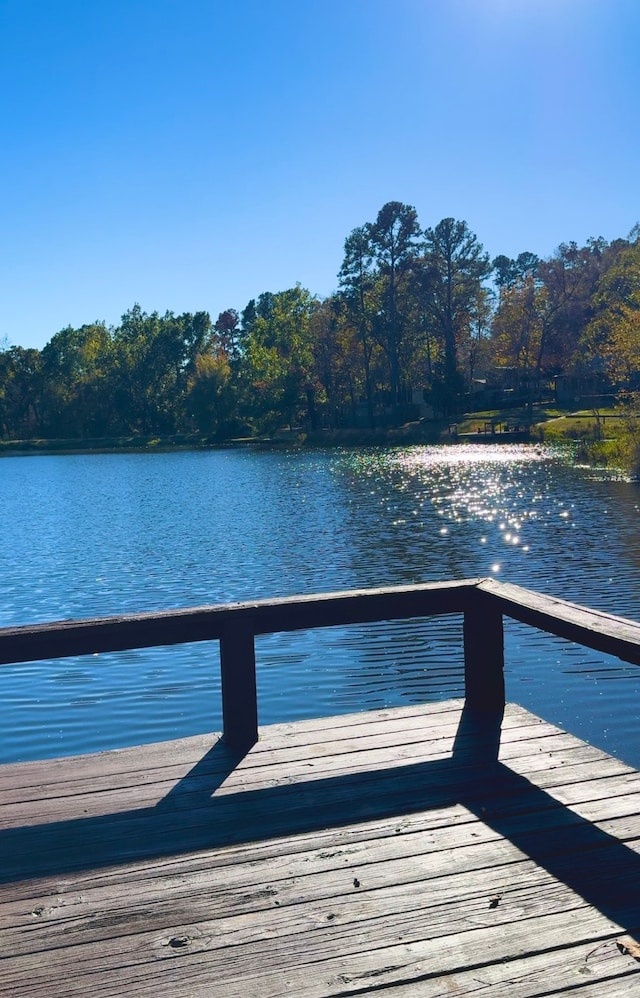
483, 603
592, 628
62, 639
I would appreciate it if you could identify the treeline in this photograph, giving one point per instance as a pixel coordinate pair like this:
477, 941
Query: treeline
418, 314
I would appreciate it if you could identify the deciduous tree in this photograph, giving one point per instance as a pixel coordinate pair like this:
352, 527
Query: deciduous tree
613, 335
456, 266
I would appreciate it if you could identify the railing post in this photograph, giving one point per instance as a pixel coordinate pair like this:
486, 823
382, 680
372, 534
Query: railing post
239, 693
483, 655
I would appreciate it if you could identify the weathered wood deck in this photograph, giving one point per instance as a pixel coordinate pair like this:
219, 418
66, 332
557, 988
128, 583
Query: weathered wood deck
409, 852
425, 851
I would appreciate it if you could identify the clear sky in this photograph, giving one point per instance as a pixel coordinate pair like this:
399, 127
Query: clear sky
190, 154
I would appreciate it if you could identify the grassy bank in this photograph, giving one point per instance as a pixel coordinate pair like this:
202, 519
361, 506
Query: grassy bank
604, 438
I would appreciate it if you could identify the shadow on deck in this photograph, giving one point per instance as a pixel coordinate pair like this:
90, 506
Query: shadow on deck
601, 869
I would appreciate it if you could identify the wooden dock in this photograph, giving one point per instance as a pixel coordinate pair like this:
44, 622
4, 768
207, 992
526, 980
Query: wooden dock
457, 848
384, 852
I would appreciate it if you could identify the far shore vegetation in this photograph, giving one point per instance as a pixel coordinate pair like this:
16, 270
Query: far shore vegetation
602, 438
426, 339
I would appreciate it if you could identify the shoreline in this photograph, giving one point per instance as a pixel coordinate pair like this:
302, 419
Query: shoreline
408, 434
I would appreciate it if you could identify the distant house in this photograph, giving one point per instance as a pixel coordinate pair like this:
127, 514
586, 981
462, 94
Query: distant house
507, 386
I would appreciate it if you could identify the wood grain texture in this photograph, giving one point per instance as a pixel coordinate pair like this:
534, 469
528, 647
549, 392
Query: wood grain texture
208, 623
402, 853
482, 603
591, 628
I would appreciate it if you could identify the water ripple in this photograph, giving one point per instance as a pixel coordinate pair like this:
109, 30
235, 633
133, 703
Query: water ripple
92, 535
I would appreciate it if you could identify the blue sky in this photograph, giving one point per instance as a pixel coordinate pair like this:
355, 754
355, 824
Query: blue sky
190, 154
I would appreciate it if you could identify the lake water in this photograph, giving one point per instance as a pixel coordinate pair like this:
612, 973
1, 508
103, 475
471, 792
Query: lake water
88, 535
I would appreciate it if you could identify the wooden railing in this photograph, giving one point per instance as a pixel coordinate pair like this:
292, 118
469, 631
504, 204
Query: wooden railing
483, 603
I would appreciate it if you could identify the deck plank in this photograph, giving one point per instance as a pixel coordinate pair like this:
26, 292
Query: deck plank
386, 852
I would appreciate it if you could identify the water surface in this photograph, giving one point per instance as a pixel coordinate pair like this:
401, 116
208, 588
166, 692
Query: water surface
93, 535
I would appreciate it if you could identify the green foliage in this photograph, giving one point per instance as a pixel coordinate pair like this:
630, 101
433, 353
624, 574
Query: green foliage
210, 392
455, 267
76, 365
153, 359
278, 359
393, 243
613, 334
415, 316
509, 272
518, 326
